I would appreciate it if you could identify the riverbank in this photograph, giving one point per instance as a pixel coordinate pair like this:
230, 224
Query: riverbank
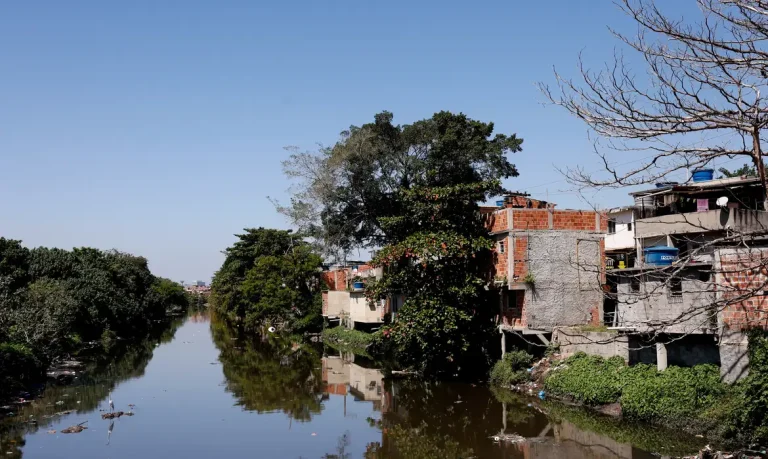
691, 400
57, 304
116, 360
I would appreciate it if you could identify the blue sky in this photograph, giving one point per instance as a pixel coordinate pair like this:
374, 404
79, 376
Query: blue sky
158, 128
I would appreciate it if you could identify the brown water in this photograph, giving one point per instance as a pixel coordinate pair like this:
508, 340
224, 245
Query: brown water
207, 392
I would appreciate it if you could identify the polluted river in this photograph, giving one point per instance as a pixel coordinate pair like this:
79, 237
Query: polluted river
200, 390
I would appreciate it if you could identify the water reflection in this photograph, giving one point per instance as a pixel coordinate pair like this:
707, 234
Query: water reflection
88, 392
213, 392
271, 374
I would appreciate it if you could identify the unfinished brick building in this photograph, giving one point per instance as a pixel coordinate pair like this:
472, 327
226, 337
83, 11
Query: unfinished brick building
549, 265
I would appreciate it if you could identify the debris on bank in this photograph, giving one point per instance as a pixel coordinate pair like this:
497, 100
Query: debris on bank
709, 453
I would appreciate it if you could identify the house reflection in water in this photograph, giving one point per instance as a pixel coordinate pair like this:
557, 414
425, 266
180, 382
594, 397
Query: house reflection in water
454, 419
346, 374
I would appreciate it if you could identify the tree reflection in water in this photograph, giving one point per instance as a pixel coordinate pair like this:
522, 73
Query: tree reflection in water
274, 373
100, 375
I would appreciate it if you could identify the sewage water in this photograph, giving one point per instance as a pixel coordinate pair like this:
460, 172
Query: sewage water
205, 391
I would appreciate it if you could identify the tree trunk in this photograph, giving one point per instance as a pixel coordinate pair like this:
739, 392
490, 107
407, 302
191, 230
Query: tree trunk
757, 157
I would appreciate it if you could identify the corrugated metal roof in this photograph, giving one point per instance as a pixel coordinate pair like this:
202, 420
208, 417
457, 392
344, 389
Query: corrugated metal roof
701, 186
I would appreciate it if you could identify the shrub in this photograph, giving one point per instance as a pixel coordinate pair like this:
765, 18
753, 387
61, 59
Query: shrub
18, 367
347, 340
749, 419
588, 379
511, 369
673, 394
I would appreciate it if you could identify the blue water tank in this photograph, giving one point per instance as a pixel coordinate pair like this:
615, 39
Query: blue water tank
358, 286
500, 203
660, 256
703, 175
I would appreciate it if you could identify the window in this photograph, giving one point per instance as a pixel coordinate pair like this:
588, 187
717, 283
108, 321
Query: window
634, 285
611, 227
501, 246
629, 226
704, 276
675, 290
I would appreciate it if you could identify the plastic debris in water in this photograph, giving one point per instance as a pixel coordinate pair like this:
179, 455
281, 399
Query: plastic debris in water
541, 394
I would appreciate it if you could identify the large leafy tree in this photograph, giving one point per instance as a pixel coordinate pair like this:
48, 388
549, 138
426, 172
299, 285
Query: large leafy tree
51, 300
269, 277
412, 191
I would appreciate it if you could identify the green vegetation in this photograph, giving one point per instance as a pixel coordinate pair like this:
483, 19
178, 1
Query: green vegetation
53, 302
595, 328
664, 441
413, 191
269, 278
748, 170
405, 442
347, 340
591, 379
691, 398
512, 368
749, 417
673, 394
269, 374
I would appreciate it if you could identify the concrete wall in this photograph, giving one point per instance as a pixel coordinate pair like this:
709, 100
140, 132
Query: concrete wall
742, 281
361, 311
338, 303
743, 220
567, 270
652, 308
605, 344
624, 237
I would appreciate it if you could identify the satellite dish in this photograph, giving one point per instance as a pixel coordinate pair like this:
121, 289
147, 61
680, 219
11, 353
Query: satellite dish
722, 201
271, 329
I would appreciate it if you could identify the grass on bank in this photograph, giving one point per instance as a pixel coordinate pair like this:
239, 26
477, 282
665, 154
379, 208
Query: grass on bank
693, 398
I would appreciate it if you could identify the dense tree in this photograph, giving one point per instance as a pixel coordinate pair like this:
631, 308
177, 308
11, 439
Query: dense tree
745, 170
412, 191
269, 277
52, 300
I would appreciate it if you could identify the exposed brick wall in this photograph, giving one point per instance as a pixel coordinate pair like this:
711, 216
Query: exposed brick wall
740, 272
335, 280
574, 220
603, 222
594, 316
520, 257
514, 312
328, 279
531, 219
325, 303
497, 221
500, 259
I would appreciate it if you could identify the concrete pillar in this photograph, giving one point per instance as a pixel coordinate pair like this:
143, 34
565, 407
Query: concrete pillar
503, 344
734, 355
661, 356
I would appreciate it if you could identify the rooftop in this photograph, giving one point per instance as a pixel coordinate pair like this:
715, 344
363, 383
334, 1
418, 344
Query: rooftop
693, 187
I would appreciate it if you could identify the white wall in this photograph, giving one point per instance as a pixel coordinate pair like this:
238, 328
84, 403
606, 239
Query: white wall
338, 303
361, 311
624, 237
